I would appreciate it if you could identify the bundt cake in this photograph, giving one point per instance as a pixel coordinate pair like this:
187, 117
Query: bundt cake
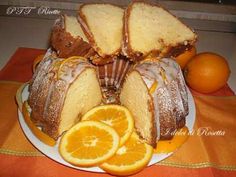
155, 93
61, 91
124, 65
68, 38
151, 30
103, 26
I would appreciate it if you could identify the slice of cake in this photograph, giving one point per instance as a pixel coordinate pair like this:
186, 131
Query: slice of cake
68, 38
155, 93
103, 26
62, 90
151, 30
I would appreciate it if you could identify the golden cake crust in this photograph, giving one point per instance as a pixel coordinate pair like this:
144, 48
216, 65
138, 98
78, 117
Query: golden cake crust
41, 87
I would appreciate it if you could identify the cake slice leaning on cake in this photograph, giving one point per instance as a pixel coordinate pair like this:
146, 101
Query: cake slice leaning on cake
68, 38
61, 91
155, 93
103, 26
150, 30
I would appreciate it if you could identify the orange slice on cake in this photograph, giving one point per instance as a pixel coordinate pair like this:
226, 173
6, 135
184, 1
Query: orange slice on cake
89, 143
116, 116
130, 158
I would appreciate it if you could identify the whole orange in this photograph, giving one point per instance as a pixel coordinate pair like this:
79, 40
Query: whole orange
207, 72
183, 58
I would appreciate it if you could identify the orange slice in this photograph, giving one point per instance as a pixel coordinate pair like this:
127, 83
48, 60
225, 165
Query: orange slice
89, 143
35, 130
116, 116
130, 158
37, 60
72, 59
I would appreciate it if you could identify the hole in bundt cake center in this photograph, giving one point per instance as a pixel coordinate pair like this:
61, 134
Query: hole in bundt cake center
110, 95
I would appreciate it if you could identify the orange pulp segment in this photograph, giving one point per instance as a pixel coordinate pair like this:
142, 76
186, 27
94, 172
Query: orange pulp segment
116, 116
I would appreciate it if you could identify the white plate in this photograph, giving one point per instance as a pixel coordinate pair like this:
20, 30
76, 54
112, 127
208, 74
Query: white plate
52, 152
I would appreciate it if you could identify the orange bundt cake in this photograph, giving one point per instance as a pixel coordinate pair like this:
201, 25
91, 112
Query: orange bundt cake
61, 91
155, 93
124, 64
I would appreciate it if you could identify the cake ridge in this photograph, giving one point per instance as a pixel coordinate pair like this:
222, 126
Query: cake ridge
58, 83
166, 97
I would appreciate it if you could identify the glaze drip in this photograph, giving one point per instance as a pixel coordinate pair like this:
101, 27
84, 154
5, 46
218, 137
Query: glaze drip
169, 94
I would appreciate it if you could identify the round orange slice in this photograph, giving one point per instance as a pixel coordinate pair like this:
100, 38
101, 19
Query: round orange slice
89, 143
130, 158
116, 116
